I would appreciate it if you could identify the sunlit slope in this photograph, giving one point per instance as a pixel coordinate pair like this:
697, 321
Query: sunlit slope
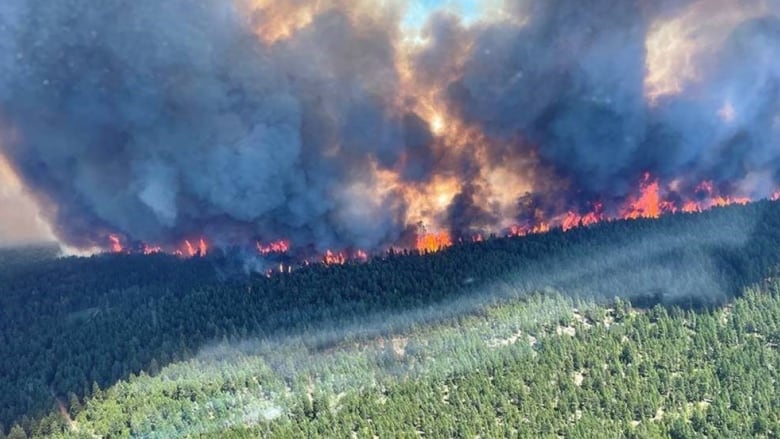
540, 366
74, 325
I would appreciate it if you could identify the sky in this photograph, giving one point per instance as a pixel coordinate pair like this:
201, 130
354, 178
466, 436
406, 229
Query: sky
420, 10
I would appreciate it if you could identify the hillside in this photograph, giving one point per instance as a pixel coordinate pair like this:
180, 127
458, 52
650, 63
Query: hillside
510, 335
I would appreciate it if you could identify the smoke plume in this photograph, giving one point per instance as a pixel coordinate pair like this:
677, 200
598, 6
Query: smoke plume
330, 125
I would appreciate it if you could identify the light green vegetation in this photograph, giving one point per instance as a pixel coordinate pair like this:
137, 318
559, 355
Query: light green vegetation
540, 367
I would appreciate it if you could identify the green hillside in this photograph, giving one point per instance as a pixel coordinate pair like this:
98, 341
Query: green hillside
511, 336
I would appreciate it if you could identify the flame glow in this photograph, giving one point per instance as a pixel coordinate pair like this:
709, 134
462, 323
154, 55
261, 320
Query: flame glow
461, 175
432, 242
116, 243
189, 250
152, 249
334, 258
281, 246
648, 202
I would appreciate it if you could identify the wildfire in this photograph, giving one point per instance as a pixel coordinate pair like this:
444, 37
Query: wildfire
115, 243
187, 248
497, 184
151, 249
432, 242
648, 203
440, 157
690, 207
651, 200
573, 219
334, 258
542, 227
281, 246
674, 46
200, 248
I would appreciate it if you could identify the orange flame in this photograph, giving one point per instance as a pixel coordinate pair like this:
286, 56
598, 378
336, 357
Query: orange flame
651, 200
542, 227
573, 220
690, 207
151, 249
360, 255
648, 203
281, 246
433, 242
331, 258
116, 243
190, 250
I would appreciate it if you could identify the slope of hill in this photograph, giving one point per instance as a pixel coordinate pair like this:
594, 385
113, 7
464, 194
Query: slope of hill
478, 339
541, 367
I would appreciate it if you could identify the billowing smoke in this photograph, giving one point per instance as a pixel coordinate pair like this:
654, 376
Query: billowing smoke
326, 124
579, 83
162, 120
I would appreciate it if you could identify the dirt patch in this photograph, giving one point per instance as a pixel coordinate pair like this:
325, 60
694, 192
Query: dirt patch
659, 414
399, 346
566, 330
498, 342
584, 321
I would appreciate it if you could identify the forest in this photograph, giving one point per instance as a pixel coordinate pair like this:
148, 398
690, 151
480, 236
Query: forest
638, 328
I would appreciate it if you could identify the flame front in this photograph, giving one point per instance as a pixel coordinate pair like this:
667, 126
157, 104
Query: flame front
335, 130
281, 246
432, 242
334, 258
189, 249
116, 243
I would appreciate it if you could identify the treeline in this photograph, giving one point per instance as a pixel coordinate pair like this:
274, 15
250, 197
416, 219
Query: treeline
72, 326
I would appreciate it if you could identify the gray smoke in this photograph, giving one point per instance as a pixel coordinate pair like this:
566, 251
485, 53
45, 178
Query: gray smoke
166, 120
160, 120
570, 79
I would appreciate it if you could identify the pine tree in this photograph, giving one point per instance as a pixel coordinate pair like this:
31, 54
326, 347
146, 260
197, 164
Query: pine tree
17, 433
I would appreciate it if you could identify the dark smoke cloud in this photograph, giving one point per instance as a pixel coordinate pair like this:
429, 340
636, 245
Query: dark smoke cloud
570, 79
159, 120
167, 120
466, 217
746, 72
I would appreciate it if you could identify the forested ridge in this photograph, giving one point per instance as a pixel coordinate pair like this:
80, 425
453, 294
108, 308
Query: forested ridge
481, 338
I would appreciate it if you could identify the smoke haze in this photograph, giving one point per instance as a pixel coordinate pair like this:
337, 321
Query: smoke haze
20, 221
334, 125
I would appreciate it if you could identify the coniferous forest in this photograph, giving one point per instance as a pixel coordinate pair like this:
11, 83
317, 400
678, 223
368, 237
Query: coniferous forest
641, 328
